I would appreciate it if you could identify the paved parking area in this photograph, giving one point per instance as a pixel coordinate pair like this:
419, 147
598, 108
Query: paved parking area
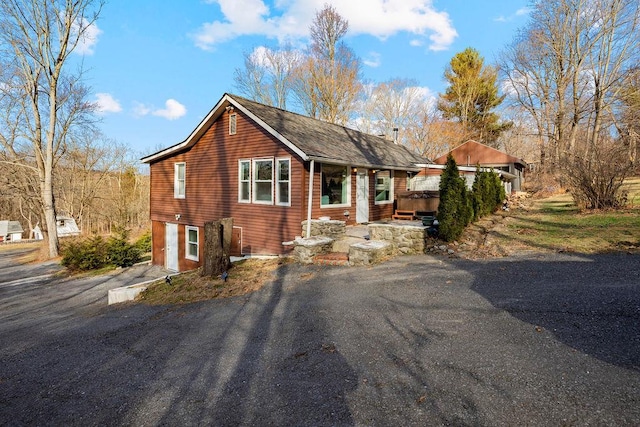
530, 340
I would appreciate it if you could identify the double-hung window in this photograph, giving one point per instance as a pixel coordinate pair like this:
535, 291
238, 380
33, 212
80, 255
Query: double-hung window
263, 181
192, 243
283, 182
179, 180
244, 181
384, 187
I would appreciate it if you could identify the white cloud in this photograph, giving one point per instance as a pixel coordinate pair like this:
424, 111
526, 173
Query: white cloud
518, 13
373, 59
290, 19
260, 56
173, 110
106, 103
88, 39
140, 109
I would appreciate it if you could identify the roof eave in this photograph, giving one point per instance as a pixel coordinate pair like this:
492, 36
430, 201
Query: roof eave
343, 162
213, 115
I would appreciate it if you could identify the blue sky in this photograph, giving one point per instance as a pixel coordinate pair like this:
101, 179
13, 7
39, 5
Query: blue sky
156, 68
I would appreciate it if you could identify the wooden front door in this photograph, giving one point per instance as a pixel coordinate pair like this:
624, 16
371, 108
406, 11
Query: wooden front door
236, 242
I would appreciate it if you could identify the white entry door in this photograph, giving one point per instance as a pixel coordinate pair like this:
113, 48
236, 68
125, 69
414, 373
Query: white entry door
171, 246
362, 196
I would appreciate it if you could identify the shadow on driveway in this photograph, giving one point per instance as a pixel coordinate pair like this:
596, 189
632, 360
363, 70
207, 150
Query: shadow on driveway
591, 303
414, 341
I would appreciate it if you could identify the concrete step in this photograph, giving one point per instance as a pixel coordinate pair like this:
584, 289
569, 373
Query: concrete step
343, 244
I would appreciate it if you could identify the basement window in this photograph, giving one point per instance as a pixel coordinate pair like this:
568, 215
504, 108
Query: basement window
192, 243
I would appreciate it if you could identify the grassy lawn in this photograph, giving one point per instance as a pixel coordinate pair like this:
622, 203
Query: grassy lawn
549, 224
555, 223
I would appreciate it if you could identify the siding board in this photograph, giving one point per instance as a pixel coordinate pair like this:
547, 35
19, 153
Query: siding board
211, 192
212, 189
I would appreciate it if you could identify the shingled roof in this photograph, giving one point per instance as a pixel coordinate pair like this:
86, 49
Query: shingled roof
310, 138
10, 227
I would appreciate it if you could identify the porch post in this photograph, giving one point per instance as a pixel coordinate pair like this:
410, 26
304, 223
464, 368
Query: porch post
310, 198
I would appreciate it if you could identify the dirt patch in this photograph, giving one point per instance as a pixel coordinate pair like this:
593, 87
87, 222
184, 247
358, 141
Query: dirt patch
244, 277
489, 237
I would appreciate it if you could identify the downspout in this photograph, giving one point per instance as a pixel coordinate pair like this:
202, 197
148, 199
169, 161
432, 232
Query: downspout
310, 198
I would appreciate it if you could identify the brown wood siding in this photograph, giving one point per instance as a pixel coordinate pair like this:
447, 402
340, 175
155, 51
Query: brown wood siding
212, 187
399, 183
386, 210
376, 212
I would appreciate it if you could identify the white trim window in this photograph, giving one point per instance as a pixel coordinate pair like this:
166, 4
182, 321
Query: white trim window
192, 243
336, 186
283, 182
233, 123
179, 180
262, 181
384, 187
244, 181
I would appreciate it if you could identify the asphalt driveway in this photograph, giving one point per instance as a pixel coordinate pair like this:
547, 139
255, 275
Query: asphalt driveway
537, 340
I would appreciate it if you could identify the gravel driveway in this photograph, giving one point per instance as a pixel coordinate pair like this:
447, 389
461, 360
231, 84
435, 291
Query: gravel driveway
530, 340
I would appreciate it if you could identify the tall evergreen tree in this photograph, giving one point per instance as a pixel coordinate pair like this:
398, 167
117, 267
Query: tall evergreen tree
455, 210
472, 95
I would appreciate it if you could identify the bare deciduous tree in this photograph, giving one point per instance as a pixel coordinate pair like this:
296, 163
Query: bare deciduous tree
328, 79
36, 40
629, 123
567, 70
267, 74
394, 104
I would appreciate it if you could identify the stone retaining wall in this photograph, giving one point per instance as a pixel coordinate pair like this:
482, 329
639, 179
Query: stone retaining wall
370, 252
328, 228
405, 239
305, 249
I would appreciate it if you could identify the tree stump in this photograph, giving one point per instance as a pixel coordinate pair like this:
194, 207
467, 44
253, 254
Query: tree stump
217, 246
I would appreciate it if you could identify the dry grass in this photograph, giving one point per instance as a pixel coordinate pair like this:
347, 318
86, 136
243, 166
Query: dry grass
33, 251
554, 223
244, 277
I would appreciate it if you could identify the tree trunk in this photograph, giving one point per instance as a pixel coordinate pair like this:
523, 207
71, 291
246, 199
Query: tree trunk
217, 245
49, 211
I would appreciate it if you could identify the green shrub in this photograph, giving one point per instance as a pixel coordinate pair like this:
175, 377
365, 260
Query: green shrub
487, 193
85, 254
94, 252
120, 252
144, 243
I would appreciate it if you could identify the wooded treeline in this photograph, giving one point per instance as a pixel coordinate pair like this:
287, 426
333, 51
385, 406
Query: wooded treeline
564, 95
99, 183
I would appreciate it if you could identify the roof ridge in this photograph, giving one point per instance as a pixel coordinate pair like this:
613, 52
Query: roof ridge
238, 98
